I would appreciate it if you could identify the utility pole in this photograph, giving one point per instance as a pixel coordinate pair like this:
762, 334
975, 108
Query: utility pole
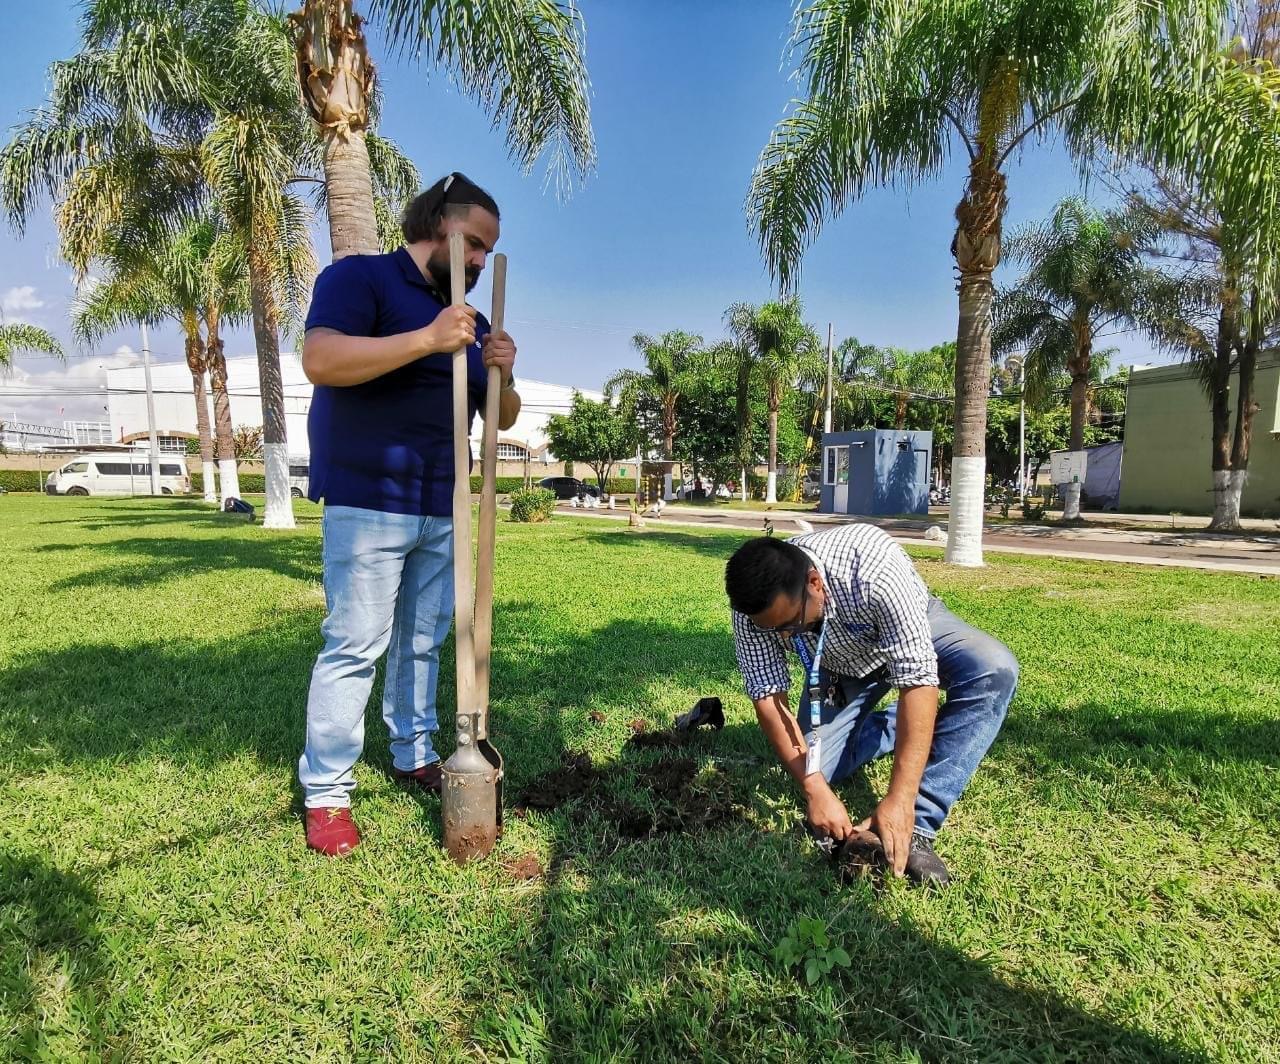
826, 420
151, 413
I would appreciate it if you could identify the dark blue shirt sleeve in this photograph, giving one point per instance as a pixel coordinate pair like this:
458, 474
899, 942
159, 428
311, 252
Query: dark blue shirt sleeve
345, 299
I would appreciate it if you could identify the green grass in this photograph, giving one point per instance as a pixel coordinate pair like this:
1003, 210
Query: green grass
1116, 855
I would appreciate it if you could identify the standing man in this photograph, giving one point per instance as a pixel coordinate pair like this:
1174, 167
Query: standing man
850, 603
379, 345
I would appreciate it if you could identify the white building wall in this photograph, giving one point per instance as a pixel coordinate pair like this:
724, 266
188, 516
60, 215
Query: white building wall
175, 406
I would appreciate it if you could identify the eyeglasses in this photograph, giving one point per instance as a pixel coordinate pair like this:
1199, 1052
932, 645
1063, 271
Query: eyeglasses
791, 626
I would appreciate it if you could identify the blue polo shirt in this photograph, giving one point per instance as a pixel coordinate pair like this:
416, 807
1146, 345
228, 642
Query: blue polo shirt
386, 444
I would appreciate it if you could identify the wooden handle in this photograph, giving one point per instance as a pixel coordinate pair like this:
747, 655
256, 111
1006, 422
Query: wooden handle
463, 590
489, 508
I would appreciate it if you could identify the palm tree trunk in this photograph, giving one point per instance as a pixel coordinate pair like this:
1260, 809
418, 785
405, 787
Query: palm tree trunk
1079, 366
1246, 407
1219, 384
771, 485
337, 78
977, 252
275, 447
353, 226
224, 436
194, 350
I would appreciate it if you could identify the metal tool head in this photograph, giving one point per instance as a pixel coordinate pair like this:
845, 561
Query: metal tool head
471, 796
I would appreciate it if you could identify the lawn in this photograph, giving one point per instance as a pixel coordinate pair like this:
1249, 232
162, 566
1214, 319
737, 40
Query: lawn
1117, 856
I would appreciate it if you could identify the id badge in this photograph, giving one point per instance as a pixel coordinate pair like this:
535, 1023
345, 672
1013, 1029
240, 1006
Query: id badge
813, 759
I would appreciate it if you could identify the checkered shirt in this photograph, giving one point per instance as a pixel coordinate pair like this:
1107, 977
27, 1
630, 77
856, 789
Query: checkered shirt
875, 616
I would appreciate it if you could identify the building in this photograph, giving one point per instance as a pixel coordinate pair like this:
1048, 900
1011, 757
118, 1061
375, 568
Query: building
1167, 442
89, 433
525, 441
876, 472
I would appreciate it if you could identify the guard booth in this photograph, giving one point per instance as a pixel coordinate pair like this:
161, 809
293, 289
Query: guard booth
876, 472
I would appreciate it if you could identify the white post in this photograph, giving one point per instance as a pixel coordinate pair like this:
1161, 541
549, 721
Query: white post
826, 420
639, 459
151, 413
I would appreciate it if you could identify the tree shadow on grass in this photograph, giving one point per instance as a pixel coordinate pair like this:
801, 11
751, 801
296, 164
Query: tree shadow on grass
147, 560
716, 545
49, 942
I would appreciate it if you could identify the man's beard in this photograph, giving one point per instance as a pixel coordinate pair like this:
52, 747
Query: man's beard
438, 268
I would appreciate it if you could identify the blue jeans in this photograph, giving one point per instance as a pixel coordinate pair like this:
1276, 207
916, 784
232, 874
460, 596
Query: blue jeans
978, 674
388, 583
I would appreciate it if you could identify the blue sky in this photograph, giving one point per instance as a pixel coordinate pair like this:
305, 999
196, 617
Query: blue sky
684, 97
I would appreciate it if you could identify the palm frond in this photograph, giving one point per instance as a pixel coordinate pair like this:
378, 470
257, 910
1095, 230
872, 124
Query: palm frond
522, 60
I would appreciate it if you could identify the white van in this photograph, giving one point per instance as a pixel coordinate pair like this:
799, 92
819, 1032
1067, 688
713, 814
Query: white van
118, 473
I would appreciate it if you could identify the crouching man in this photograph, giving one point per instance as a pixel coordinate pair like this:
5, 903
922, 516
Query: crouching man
849, 602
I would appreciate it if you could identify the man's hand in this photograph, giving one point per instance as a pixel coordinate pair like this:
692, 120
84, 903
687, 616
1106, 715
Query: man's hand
827, 814
893, 823
453, 328
500, 350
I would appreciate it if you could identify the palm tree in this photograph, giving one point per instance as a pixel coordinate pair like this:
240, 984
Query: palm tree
19, 336
1086, 272
522, 60
891, 88
673, 364
906, 375
781, 350
192, 279
176, 108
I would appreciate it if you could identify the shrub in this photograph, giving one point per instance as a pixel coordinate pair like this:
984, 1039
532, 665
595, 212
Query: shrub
532, 504
21, 479
250, 483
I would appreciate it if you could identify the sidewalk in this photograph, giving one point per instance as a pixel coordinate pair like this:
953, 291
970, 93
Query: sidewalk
1258, 554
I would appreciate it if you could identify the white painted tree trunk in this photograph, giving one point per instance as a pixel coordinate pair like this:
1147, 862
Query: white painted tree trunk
1071, 501
1228, 487
771, 491
228, 480
210, 489
964, 526
744, 483
279, 511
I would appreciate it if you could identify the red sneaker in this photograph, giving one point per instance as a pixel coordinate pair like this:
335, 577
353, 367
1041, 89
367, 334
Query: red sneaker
332, 831
428, 777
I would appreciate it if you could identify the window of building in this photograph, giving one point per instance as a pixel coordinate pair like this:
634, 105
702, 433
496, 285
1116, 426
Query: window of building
511, 452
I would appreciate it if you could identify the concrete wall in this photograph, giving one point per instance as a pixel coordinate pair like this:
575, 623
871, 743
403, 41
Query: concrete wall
1167, 452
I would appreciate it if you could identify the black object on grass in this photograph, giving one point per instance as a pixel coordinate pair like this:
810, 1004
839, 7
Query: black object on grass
707, 712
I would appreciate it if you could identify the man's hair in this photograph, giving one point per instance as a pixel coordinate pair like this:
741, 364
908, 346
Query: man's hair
761, 570
454, 193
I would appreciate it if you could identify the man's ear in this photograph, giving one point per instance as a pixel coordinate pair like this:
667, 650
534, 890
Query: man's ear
814, 580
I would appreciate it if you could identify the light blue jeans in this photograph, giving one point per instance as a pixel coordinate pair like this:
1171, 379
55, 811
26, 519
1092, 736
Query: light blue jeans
978, 675
388, 584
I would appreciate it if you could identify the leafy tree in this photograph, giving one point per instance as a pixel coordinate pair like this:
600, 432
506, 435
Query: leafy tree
596, 433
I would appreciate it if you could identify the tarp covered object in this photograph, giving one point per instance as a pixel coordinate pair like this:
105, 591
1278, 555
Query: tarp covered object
1102, 476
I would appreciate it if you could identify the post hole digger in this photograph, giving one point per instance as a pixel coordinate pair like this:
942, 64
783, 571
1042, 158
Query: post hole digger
471, 799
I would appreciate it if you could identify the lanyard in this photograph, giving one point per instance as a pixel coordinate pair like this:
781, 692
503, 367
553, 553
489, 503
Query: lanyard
813, 665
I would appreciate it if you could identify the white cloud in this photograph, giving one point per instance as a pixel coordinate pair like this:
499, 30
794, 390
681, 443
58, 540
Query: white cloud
57, 391
18, 300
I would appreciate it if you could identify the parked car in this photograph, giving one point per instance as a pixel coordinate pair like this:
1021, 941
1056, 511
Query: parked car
569, 487
118, 473
811, 486
299, 477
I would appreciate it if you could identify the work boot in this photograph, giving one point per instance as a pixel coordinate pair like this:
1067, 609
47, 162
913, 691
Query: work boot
427, 777
924, 867
332, 831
